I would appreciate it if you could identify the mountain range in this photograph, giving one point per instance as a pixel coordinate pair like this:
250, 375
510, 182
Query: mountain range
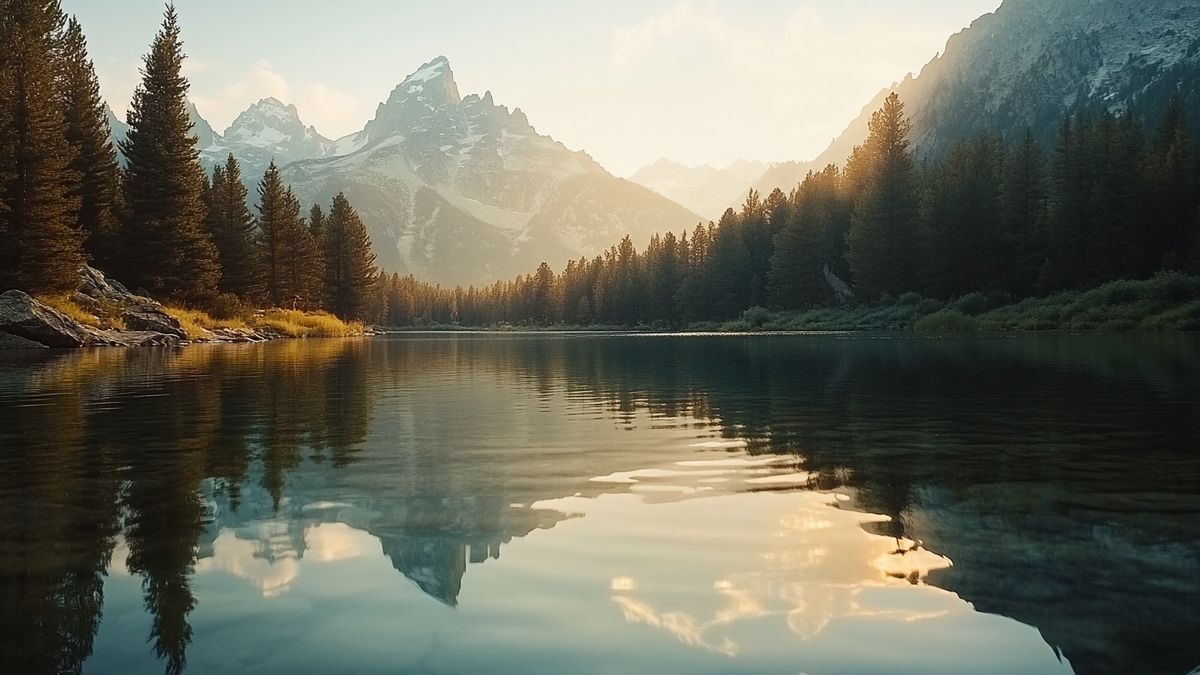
453, 189
462, 190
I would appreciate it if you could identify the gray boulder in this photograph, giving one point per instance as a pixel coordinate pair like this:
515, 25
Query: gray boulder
150, 316
130, 338
94, 284
10, 341
25, 317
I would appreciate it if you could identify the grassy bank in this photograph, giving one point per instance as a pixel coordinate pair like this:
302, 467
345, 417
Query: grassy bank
1166, 302
197, 324
284, 322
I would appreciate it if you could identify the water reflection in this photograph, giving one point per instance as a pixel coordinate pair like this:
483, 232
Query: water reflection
1056, 472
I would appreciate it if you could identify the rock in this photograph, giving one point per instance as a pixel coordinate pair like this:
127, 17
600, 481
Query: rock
94, 284
87, 302
138, 312
237, 335
25, 317
150, 316
10, 341
130, 338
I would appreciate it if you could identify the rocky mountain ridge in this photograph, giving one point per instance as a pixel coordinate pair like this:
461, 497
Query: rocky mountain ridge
1030, 64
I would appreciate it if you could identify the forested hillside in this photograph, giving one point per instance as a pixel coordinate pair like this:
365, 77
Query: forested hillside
1115, 197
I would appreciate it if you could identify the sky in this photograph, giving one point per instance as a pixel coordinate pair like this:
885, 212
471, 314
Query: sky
629, 81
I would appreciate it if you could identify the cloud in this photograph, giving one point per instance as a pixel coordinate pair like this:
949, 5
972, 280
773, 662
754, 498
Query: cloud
682, 20
331, 111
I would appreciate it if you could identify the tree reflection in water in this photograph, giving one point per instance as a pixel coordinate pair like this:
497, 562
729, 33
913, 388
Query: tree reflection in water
1055, 471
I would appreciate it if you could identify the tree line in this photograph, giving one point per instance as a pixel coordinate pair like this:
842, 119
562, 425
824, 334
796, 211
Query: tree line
160, 223
1112, 199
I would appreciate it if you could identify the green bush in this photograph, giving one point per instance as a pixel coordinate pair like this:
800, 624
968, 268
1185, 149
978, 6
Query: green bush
227, 306
756, 317
972, 304
929, 306
910, 300
947, 321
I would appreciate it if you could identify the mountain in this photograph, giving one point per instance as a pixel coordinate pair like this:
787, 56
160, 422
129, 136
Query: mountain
268, 130
462, 190
704, 189
117, 129
1030, 64
205, 134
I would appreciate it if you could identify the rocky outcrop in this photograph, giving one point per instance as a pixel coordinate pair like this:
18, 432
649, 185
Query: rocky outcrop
101, 337
119, 318
137, 312
154, 320
123, 319
24, 317
10, 341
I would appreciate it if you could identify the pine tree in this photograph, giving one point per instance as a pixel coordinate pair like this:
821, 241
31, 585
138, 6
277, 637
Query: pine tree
812, 241
962, 221
285, 247
1116, 241
42, 250
759, 222
317, 231
1066, 198
542, 312
1170, 177
165, 248
95, 158
730, 276
1022, 238
664, 274
349, 261
231, 228
883, 238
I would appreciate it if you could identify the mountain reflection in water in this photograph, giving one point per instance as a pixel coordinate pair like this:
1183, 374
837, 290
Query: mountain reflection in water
707, 492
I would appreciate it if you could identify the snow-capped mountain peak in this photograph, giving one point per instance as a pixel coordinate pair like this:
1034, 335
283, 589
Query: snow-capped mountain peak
460, 189
266, 123
269, 130
433, 82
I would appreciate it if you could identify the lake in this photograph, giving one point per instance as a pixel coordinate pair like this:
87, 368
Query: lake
554, 503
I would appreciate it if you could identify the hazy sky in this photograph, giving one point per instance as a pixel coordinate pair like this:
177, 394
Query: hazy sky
698, 81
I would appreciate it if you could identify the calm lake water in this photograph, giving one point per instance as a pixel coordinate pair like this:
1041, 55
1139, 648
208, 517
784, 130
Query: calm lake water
604, 504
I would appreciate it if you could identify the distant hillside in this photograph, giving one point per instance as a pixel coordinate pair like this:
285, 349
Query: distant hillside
704, 189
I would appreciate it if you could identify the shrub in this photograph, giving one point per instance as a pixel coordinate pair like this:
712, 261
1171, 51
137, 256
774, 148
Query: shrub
756, 316
972, 304
928, 306
227, 306
1175, 287
947, 321
1185, 317
910, 300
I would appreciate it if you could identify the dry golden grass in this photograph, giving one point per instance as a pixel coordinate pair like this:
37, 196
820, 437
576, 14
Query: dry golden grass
197, 323
71, 310
308, 324
291, 323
